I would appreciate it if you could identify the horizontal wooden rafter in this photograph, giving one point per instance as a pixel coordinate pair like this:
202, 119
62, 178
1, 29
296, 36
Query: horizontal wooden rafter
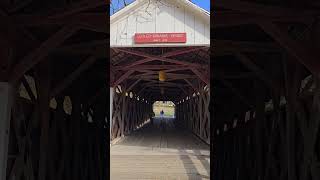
153, 57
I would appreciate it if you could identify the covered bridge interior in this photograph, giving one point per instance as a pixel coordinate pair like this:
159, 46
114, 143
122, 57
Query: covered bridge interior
53, 90
134, 89
149, 38
265, 90
135, 73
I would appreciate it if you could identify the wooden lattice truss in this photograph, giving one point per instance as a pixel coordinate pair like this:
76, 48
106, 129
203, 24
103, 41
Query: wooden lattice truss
265, 115
59, 145
48, 42
193, 113
129, 113
136, 70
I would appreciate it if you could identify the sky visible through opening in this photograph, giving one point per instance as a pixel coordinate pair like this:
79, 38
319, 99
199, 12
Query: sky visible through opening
118, 4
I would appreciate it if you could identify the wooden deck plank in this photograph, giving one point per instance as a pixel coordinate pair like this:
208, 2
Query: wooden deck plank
150, 153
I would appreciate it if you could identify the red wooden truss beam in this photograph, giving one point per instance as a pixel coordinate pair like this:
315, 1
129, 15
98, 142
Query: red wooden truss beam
304, 53
41, 52
149, 58
122, 78
155, 67
154, 75
201, 76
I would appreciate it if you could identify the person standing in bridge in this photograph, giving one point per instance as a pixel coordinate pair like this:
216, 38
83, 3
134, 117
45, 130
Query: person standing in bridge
161, 119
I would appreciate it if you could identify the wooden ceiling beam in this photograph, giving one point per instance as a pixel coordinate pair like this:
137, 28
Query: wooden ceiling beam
179, 86
94, 98
133, 84
155, 84
302, 52
236, 92
41, 52
75, 8
232, 18
122, 78
154, 75
257, 70
201, 76
153, 58
93, 21
242, 75
141, 90
245, 46
73, 76
264, 10
178, 69
165, 55
154, 67
158, 90
19, 5
192, 86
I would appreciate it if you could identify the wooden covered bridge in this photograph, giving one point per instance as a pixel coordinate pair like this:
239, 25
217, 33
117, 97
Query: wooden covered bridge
53, 90
53, 118
266, 90
160, 52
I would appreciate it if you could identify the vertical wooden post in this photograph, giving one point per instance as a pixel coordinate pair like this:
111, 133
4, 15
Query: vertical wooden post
292, 78
259, 120
43, 76
76, 130
111, 108
5, 116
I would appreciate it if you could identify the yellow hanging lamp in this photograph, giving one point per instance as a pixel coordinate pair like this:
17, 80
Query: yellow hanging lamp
162, 76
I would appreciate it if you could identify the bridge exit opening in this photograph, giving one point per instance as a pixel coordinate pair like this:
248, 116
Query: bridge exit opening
168, 108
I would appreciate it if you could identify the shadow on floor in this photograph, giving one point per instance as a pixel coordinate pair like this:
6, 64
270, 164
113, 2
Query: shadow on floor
191, 169
153, 144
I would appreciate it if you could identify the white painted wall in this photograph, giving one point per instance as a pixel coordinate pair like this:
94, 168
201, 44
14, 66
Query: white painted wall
5, 115
161, 17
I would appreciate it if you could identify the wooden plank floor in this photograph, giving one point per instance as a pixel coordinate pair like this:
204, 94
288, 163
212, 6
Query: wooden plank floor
150, 153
